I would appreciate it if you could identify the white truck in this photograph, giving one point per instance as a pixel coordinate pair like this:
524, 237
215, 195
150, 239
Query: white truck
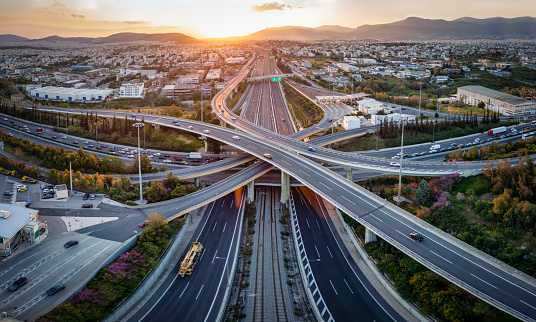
194, 155
435, 147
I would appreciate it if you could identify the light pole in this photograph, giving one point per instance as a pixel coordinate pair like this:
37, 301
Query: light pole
420, 95
400, 166
138, 125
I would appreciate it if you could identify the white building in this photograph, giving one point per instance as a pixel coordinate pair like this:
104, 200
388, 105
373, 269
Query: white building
369, 106
350, 122
191, 79
131, 90
347, 67
395, 117
213, 74
502, 103
70, 94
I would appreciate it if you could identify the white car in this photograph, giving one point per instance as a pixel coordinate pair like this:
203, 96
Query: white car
206, 131
233, 118
236, 137
130, 155
167, 161
394, 164
190, 127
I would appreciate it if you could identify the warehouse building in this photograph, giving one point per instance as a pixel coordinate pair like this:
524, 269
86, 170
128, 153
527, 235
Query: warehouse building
502, 103
18, 224
70, 94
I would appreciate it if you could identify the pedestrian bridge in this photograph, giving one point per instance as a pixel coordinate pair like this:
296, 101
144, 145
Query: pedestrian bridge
256, 78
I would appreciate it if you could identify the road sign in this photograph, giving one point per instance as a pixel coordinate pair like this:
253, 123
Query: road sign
276, 79
271, 57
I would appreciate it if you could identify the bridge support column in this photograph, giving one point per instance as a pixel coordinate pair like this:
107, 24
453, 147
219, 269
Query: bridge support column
196, 180
206, 145
250, 191
156, 126
285, 187
222, 123
349, 173
370, 237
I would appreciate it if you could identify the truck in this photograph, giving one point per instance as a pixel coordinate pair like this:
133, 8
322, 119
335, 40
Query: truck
193, 255
497, 130
194, 155
435, 147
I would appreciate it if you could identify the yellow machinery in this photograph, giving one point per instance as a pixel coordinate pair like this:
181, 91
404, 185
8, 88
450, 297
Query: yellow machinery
188, 264
28, 179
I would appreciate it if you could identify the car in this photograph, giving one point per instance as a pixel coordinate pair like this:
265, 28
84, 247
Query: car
167, 155
330, 120
415, 154
8, 193
55, 289
92, 197
236, 137
86, 142
190, 127
267, 156
130, 155
206, 131
233, 118
394, 164
87, 205
18, 283
48, 190
501, 137
311, 149
48, 196
167, 161
90, 146
178, 158
75, 142
85, 197
490, 139
22, 189
143, 223
175, 122
416, 236
454, 145
48, 186
161, 157
63, 137
133, 116
54, 137
395, 157
71, 243
183, 163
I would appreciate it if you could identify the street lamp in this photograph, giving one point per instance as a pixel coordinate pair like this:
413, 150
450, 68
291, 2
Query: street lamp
420, 95
138, 125
400, 166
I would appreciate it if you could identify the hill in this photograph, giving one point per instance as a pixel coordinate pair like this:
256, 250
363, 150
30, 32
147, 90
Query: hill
120, 37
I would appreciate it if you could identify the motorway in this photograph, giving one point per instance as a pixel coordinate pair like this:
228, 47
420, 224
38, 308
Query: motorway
347, 293
198, 297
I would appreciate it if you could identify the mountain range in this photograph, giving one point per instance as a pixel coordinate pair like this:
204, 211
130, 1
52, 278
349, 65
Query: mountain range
410, 29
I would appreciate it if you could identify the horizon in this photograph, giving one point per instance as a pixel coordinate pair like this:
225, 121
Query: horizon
36, 19
222, 38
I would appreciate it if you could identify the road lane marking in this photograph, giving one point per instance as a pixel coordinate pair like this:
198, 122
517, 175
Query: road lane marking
184, 289
324, 185
200, 291
307, 221
223, 203
214, 225
376, 217
348, 200
443, 258
528, 304
348, 286
202, 228
317, 252
483, 280
333, 287
214, 256
329, 251
317, 224
225, 225
304, 173
232, 201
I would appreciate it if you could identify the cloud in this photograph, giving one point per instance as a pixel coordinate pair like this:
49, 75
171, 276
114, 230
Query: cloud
60, 8
78, 16
136, 22
271, 6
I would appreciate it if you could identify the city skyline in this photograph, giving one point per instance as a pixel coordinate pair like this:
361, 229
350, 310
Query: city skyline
215, 19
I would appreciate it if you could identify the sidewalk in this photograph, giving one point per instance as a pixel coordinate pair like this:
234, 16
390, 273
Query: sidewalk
370, 275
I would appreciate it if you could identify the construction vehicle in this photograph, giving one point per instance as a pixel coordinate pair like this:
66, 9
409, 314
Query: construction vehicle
9, 172
28, 179
188, 264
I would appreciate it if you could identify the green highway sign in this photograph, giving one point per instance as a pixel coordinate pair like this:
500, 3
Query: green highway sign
276, 79
271, 57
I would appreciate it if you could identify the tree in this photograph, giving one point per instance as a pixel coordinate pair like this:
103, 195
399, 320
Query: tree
481, 105
179, 191
423, 193
146, 165
156, 192
170, 181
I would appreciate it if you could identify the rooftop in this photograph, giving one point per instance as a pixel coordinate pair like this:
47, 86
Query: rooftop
511, 99
19, 217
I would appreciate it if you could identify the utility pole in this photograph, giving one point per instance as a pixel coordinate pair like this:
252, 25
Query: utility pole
420, 95
138, 125
377, 136
71, 177
400, 166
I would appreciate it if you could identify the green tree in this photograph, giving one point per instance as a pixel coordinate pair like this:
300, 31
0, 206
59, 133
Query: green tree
156, 192
179, 191
170, 181
423, 193
146, 166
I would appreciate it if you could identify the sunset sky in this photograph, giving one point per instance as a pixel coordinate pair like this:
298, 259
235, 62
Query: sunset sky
223, 18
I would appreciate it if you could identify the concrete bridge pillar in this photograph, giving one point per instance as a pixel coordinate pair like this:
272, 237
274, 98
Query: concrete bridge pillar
349, 173
370, 237
222, 123
156, 126
206, 145
196, 180
250, 191
285, 187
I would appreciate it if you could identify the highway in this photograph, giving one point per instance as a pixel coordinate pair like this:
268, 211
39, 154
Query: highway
198, 297
346, 291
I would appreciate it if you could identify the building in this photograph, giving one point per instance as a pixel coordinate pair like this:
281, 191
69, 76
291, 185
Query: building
61, 191
347, 67
70, 94
131, 90
179, 91
502, 103
17, 97
191, 79
18, 224
213, 74
76, 67
369, 106
394, 117
350, 122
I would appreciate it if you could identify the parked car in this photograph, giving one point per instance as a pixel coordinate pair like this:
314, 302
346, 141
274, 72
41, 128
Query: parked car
86, 196
48, 196
71, 243
55, 289
416, 236
22, 189
92, 197
18, 283
87, 205
8, 193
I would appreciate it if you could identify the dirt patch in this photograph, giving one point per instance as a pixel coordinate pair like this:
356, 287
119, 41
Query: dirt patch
487, 196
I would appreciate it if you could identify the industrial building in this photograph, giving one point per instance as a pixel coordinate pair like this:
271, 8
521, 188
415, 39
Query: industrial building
502, 103
369, 106
18, 224
213, 74
70, 94
191, 79
350, 122
393, 117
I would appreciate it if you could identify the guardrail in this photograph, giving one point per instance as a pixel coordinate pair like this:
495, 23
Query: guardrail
308, 279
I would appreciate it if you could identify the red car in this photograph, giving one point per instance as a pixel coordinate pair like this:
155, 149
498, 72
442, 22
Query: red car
143, 223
